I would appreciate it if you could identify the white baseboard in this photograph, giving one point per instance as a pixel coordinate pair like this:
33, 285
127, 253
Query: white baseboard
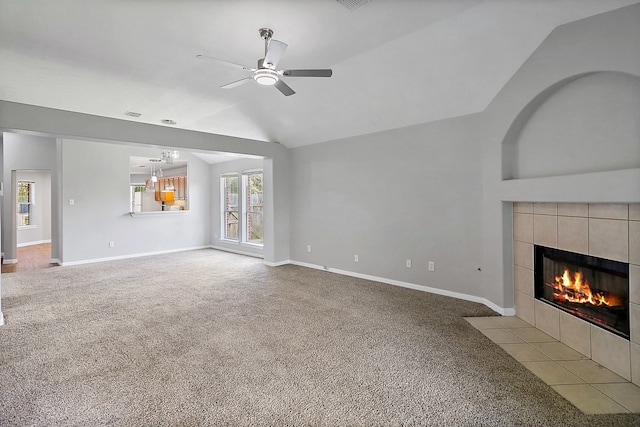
39, 242
458, 295
277, 264
501, 310
9, 261
1, 319
115, 258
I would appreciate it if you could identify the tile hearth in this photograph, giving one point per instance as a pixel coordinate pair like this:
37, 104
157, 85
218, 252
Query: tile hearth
587, 385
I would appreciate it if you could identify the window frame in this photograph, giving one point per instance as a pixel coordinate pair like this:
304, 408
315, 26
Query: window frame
246, 225
224, 211
241, 213
30, 204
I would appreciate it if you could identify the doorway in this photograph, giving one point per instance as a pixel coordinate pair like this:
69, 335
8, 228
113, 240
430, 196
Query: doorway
31, 221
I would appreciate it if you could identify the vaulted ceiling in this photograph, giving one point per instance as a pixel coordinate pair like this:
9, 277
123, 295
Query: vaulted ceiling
395, 62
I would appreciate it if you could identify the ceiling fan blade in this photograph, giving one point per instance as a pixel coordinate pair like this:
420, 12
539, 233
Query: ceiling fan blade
236, 83
307, 73
284, 88
225, 63
275, 52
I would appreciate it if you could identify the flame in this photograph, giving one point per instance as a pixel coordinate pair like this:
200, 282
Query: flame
578, 291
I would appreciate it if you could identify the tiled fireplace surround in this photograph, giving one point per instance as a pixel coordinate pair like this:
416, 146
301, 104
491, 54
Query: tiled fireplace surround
609, 231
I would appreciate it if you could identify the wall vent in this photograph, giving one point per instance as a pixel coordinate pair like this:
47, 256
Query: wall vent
352, 4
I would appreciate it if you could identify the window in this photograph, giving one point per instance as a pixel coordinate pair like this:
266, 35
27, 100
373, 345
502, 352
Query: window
242, 207
252, 183
136, 197
230, 206
25, 191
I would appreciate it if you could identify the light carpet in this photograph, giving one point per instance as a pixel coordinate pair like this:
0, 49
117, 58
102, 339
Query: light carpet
212, 338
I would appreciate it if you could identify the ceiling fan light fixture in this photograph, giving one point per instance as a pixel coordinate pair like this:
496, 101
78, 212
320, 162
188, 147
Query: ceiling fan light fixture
266, 77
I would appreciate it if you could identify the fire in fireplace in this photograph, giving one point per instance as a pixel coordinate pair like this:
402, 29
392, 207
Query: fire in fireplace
594, 289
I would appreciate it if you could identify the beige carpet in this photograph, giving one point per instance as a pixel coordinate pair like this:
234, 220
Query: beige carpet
211, 338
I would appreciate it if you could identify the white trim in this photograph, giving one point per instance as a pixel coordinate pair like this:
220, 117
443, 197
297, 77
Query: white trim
55, 261
1, 319
236, 251
253, 245
115, 258
39, 242
229, 241
9, 261
458, 295
277, 264
157, 213
27, 227
252, 171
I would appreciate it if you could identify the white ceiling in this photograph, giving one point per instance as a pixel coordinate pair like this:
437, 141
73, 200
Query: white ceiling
395, 62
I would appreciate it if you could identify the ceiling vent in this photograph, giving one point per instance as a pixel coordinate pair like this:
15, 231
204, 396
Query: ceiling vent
132, 114
352, 4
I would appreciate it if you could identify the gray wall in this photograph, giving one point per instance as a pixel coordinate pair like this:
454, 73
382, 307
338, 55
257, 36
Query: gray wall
84, 127
597, 114
443, 191
40, 221
96, 177
606, 42
26, 152
412, 193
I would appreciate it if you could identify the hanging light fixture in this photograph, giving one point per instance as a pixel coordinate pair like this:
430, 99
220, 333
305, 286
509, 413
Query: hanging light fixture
169, 155
154, 178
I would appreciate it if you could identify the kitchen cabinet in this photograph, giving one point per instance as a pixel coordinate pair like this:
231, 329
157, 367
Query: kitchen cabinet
171, 188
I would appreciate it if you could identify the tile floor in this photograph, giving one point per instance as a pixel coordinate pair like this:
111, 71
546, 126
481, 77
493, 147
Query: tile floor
590, 387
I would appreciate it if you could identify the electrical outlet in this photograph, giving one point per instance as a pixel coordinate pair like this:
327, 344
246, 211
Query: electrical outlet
408, 263
432, 266
112, 244
308, 248
355, 258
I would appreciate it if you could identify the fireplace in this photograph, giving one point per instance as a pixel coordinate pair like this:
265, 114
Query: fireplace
594, 289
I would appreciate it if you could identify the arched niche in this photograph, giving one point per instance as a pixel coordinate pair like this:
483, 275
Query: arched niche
582, 124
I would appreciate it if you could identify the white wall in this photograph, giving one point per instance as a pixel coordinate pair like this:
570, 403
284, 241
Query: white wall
39, 230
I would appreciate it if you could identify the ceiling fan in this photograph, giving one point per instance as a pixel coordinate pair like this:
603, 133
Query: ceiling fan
266, 74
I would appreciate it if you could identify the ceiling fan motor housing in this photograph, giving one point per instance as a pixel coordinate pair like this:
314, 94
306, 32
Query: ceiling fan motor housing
265, 75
